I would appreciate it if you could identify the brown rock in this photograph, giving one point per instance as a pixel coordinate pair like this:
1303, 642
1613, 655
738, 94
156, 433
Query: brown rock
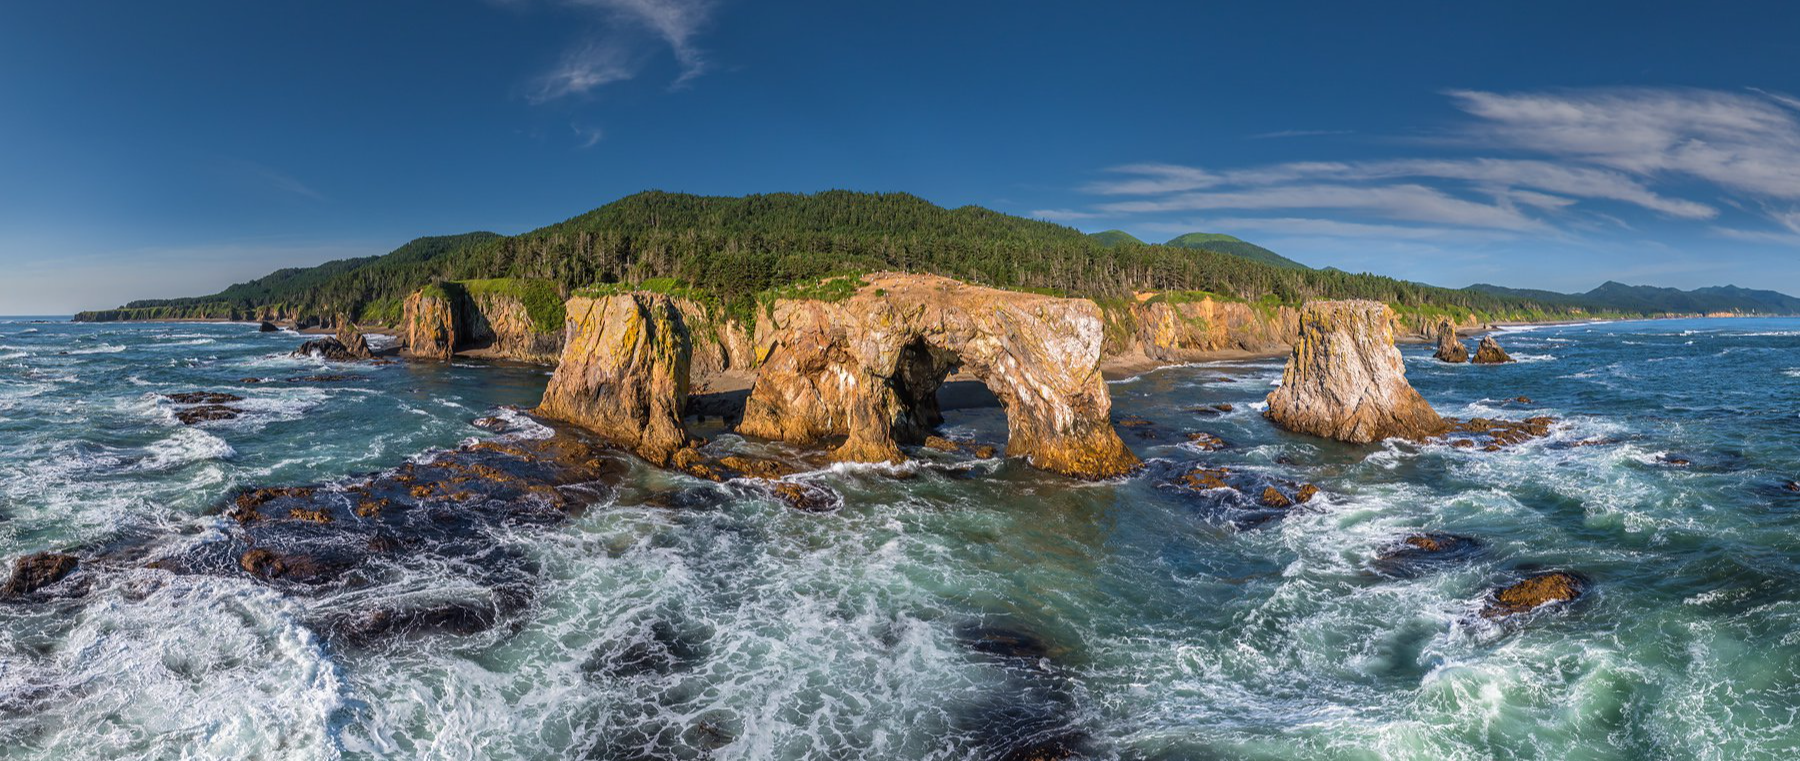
1793, 486
868, 368
1346, 381
624, 373
1133, 421
309, 515
1463, 444
806, 497
1271, 497
1305, 494
33, 572
1490, 353
1205, 441
1206, 478
1450, 348
941, 444
370, 507
756, 467
1537, 590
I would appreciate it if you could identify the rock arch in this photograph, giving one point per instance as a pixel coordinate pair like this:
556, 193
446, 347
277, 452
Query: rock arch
868, 368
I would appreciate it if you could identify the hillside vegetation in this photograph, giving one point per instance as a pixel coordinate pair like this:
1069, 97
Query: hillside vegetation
1226, 244
731, 249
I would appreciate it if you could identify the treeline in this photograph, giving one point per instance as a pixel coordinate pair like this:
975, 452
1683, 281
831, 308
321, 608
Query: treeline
736, 247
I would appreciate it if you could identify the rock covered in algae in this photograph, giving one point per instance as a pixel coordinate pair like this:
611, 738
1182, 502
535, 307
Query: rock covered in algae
624, 373
1347, 381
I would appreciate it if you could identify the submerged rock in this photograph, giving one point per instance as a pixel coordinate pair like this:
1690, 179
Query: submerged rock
1205, 442
624, 373
1500, 433
1347, 381
206, 413
202, 397
868, 367
1450, 348
1420, 552
31, 573
1533, 592
1490, 353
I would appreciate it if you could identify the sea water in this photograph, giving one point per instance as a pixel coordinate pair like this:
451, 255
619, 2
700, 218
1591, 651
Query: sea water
951, 608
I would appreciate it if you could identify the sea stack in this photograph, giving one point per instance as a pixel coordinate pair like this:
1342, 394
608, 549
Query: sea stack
1490, 353
624, 372
428, 323
867, 366
1450, 347
1347, 381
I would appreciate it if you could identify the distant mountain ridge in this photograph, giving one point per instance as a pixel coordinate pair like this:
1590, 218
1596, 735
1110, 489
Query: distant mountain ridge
1619, 297
1214, 242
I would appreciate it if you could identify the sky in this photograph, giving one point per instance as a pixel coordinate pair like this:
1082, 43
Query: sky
173, 148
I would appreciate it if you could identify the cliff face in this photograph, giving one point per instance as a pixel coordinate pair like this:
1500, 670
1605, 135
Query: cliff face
1347, 381
428, 326
495, 317
624, 373
501, 324
1176, 330
721, 345
868, 368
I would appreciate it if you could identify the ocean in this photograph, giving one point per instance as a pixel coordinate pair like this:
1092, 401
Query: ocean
951, 608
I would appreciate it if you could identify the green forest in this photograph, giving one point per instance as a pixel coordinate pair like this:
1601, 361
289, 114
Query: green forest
732, 249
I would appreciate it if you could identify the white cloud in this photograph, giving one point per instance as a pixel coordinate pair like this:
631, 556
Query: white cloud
589, 136
616, 54
1405, 202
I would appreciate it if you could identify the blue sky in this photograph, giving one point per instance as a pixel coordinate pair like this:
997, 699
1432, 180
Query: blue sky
172, 148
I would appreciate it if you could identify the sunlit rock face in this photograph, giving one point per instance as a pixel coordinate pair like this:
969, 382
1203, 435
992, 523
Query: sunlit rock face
867, 367
624, 372
1347, 381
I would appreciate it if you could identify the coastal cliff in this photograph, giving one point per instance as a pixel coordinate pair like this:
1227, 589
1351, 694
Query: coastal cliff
1347, 381
866, 365
511, 318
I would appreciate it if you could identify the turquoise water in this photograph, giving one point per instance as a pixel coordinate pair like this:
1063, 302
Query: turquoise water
951, 609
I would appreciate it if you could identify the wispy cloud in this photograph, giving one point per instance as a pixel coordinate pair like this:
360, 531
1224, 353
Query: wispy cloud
1642, 147
617, 51
589, 136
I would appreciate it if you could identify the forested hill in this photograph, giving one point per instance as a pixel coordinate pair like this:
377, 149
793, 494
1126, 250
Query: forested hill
733, 248
1618, 297
1226, 244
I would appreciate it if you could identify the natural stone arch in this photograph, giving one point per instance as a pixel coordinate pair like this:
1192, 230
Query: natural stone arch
867, 368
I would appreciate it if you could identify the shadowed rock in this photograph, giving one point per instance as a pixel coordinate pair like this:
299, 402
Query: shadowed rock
31, 573
1347, 381
1422, 552
624, 373
330, 349
1490, 353
1450, 348
355, 344
868, 368
267, 327
202, 397
206, 413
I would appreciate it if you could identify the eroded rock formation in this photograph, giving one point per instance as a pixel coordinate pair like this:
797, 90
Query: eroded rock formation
868, 368
1346, 381
355, 345
1450, 348
624, 372
428, 325
1490, 353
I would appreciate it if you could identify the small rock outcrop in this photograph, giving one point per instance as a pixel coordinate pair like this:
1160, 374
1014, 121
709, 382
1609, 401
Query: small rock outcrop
267, 327
867, 367
33, 572
1347, 381
1533, 592
1450, 348
624, 373
1490, 353
329, 349
356, 346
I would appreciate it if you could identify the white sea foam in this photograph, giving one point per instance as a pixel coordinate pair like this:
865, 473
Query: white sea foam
101, 349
